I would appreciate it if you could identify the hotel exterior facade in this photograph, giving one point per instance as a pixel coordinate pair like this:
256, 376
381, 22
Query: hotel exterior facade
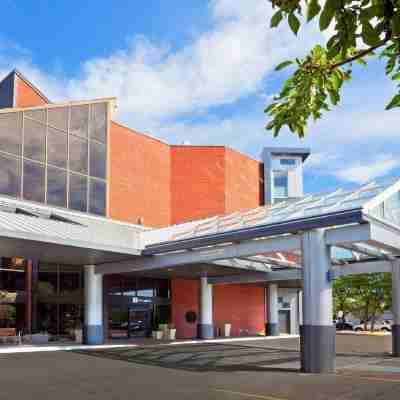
73, 162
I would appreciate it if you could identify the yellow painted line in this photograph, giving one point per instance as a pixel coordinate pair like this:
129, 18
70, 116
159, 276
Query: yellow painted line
252, 395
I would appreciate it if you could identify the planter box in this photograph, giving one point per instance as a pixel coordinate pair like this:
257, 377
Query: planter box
40, 338
351, 342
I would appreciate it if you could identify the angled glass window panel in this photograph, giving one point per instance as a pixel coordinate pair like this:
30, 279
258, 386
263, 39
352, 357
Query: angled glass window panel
79, 120
34, 139
58, 117
56, 187
37, 115
77, 192
78, 155
10, 175
33, 184
11, 132
97, 160
98, 122
56, 148
97, 198
391, 209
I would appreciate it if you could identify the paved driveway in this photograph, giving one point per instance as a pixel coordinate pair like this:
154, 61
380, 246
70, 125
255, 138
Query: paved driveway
202, 371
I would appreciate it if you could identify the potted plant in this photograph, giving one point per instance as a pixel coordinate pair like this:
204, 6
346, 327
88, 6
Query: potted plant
172, 332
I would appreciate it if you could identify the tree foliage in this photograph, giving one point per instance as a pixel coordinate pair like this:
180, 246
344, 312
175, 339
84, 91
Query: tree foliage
361, 29
366, 295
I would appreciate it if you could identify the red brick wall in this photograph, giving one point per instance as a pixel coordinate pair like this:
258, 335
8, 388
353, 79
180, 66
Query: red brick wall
139, 182
26, 96
184, 298
243, 306
243, 182
197, 182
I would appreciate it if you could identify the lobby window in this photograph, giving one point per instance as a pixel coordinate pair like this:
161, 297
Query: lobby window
56, 155
280, 184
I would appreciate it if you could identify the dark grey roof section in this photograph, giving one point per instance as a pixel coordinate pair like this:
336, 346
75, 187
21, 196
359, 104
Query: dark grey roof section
7, 91
258, 231
288, 151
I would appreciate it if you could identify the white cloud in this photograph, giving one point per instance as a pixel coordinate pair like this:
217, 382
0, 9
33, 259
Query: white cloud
360, 173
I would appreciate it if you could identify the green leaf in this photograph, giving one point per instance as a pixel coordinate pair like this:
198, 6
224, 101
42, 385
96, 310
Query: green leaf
395, 102
283, 65
369, 35
327, 14
294, 23
276, 19
313, 9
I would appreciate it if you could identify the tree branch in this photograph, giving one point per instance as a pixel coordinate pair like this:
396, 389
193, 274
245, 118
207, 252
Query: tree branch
361, 54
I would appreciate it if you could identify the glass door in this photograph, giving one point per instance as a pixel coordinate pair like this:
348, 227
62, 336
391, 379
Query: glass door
139, 322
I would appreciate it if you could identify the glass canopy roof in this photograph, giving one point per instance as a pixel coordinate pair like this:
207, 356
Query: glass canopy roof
379, 198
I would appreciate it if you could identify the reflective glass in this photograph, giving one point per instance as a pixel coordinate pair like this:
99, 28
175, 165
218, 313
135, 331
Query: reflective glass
97, 160
58, 117
77, 192
97, 198
280, 184
33, 185
98, 125
78, 155
11, 133
56, 148
79, 120
10, 175
56, 187
37, 115
34, 139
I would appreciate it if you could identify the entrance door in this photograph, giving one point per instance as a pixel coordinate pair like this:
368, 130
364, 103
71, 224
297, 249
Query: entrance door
139, 322
284, 321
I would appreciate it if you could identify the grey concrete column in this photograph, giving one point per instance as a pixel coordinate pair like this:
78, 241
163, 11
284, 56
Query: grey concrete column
317, 332
93, 332
272, 326
396, 308
205, 327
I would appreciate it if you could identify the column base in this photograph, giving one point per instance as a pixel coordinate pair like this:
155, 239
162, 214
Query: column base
93, 334
272, 329
396, 340
205, 331
318, 349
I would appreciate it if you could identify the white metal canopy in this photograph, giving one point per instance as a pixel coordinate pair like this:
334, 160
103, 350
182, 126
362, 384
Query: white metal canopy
361, 225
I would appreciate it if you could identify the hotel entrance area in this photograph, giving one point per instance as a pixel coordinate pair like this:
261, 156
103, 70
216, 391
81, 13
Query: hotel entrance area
136, 306
42, 302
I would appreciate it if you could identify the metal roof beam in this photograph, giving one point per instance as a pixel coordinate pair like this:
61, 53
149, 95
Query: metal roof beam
285, 243
367, 267
273, 276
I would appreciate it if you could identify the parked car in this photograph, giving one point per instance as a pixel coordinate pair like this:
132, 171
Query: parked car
344, 326
381, 325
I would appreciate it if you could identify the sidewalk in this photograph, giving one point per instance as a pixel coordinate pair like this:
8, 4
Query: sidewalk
25, 348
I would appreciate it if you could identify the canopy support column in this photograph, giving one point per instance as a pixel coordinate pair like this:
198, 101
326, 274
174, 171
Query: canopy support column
205, 328
396, 308
272, 328
317, 332
93, 332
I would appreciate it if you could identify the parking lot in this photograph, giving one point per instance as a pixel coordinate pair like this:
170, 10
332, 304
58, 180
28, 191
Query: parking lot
238, 370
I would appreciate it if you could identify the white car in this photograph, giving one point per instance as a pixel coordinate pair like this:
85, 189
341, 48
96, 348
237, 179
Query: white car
383, 326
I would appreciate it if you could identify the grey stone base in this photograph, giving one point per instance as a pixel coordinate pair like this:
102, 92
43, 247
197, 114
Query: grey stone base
272, 329
318, 345
93, 334
396, 340
205, 331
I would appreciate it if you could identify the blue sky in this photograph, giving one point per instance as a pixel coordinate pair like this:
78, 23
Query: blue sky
200, 72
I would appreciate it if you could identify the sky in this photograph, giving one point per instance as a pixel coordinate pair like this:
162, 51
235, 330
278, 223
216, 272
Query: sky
199, 72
